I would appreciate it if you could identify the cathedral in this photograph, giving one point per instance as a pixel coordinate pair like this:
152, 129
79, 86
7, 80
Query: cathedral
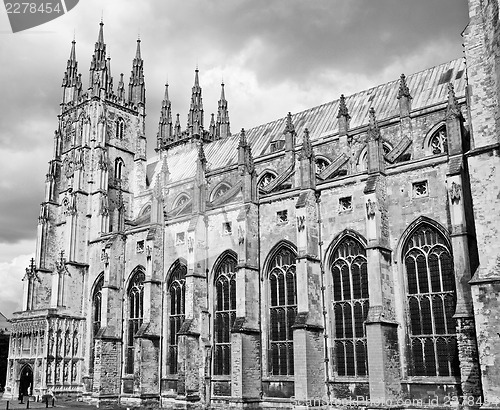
346, 254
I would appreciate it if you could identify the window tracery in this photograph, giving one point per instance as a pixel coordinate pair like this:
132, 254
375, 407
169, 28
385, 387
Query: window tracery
176, 291
120, 127
431, 299
220, 191
438, 141
350, 307
321, 164
225, 313
135, 297
282, 312
266, 179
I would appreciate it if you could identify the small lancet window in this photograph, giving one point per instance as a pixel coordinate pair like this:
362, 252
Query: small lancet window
119, 165
176, 294
96, 315
120, 127
438, 141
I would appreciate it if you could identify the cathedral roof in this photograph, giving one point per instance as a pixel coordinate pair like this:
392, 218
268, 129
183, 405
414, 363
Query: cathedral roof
428, 88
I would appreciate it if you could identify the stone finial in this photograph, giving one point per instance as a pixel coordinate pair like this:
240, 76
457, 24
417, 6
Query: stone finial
373, 129
289, 127
404, 91
243, 138
307, 150
343, 111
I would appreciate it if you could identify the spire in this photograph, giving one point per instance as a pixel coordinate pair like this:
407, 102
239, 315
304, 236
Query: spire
136, 86
177, 129
452, 110
223, 130
109, 82
165, 129
121, 89
70, 79
373, 129
98, 65
195, 116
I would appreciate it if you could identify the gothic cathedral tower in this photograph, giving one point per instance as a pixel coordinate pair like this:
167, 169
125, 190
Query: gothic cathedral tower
98, 161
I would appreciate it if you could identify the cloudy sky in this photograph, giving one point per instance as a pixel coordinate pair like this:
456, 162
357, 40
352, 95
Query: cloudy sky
274, 56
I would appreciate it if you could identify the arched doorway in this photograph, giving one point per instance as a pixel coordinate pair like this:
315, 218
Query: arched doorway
26, 381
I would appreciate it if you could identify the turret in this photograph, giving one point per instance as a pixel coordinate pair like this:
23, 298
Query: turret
136, 86
98, 78
165, 134
71, 82
222, 125
195, 116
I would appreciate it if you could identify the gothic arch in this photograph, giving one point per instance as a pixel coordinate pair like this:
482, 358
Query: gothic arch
339, 237
224, 311
182, 198
361, 158
274, 251
426, 142
145, 209
178, 262
138, 268
347, 303
279, 301
220, 189
428, 293
220, 259
267, 173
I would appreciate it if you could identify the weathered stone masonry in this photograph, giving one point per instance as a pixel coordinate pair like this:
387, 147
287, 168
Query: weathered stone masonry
349, 251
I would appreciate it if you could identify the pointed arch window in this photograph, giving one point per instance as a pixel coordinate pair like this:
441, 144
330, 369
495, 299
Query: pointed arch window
225, 313
220, 191
176, 292
135, 296
438, 141
282, 311
120, 128
183, 199
363, 157
431, 299
350, 307
119, 165
96, 316
266, 179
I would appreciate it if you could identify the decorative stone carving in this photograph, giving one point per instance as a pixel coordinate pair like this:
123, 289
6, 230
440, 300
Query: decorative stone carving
370, 209
455, 193
301, 223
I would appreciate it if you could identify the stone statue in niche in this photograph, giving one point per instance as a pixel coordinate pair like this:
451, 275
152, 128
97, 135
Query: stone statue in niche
51, 342
75, 344
67, 343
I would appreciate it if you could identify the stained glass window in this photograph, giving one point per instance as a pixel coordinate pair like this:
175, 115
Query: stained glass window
135, 296
225, 313
176, 291
282, 312
350, 307
431, 304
